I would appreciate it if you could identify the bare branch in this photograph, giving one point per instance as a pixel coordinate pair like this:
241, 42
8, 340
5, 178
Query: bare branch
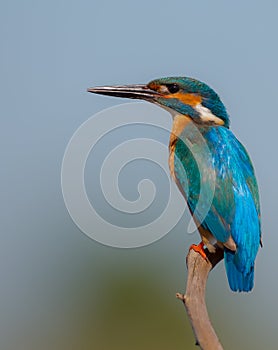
194, 299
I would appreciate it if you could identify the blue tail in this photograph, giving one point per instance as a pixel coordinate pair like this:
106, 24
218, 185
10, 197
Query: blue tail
239, 281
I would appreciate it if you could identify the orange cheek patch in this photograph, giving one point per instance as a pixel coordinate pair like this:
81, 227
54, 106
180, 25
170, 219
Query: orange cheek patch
188, 99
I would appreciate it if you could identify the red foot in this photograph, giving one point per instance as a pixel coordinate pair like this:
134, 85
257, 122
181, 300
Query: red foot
199, 249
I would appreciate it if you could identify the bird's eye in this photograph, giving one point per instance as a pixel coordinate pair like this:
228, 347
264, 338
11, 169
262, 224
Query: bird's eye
173, 88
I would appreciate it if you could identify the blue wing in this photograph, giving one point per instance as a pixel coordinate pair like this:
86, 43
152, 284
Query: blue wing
234, 209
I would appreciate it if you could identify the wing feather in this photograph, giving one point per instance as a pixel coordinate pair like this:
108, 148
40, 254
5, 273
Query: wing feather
234, 210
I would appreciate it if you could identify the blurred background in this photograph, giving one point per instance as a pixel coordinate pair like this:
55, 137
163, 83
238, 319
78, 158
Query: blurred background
62, 290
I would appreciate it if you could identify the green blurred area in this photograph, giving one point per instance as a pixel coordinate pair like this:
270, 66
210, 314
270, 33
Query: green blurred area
93, 297
135, 313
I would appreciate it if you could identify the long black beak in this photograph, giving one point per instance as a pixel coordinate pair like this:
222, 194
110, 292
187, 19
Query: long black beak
142, 92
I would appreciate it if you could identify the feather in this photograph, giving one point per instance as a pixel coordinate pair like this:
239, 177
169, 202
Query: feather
222, 165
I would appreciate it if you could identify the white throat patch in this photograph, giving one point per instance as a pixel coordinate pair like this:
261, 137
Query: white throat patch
207, 116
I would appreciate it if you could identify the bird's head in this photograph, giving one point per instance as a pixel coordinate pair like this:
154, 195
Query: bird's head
179, 95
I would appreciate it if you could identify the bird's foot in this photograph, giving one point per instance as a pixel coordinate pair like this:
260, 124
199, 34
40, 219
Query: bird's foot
199, 249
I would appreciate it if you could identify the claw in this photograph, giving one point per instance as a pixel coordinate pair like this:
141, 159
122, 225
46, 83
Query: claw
199, 249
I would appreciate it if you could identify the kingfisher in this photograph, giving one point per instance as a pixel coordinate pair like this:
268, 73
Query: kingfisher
207, 160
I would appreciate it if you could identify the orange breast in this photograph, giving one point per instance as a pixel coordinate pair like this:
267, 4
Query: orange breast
180, 122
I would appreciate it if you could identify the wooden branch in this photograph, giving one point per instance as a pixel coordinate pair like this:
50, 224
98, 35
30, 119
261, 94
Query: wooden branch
194, 298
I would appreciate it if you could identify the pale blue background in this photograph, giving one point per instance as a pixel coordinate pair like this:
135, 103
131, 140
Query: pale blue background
55, 281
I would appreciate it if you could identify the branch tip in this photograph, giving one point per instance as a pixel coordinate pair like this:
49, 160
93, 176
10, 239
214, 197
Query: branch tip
180, 296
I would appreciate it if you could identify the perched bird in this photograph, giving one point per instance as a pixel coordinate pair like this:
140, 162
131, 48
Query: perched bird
205, 154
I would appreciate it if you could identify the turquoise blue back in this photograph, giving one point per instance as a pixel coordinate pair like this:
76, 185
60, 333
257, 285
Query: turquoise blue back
225, 171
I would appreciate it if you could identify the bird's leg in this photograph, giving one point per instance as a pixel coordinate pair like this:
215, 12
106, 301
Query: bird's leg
199, 249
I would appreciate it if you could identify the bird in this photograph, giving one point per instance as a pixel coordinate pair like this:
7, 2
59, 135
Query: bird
204, 153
